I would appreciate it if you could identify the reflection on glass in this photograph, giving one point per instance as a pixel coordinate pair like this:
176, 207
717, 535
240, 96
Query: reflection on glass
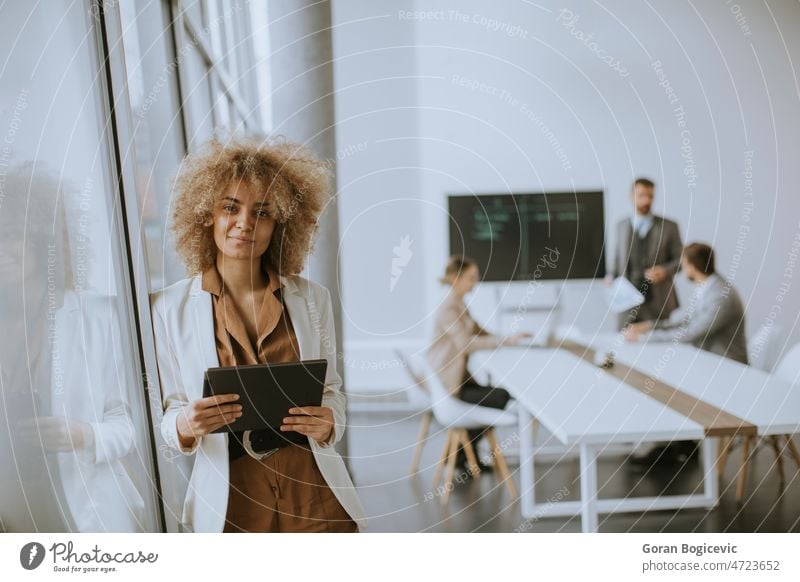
70, 424
73, 441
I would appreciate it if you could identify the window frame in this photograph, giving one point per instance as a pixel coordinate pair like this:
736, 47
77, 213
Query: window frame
189, 36
118, 131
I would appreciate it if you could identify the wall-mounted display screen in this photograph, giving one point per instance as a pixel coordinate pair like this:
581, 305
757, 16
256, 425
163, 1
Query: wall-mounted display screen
519, 237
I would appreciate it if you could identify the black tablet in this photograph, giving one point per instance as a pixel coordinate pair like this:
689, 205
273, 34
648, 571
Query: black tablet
267, 391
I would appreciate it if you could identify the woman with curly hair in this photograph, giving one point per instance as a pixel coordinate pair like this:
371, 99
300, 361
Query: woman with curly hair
246, 212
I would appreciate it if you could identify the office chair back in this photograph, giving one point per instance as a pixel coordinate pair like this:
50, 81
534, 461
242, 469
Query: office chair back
453, 412
416, 391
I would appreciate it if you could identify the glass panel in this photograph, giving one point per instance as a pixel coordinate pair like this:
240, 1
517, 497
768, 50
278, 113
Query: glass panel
158, 129
74, 444
238, 123
195, 10
259, 74
222, 106
214, 33
229, 36
197, 101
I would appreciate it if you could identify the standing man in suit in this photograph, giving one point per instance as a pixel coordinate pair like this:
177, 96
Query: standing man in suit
648, 255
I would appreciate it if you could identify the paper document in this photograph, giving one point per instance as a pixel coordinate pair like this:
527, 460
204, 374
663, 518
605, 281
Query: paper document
622, 295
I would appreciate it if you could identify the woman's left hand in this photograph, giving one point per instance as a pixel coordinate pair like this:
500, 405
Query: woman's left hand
315, 422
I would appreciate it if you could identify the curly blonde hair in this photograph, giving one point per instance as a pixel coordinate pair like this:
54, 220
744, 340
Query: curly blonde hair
298, 186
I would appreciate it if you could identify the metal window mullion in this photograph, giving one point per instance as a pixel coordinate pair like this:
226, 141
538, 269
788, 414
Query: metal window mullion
190, 125
213, 61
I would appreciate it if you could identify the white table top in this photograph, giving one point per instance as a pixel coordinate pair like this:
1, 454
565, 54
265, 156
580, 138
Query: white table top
768, 402
579, 402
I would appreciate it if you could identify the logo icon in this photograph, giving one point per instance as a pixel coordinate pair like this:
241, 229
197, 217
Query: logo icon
402, 255
32, 555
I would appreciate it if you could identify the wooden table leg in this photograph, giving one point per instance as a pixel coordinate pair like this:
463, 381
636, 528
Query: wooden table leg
724, 450
792, 448
776, 446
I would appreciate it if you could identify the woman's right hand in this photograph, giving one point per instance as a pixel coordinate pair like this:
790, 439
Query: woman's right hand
206, 415
517, 338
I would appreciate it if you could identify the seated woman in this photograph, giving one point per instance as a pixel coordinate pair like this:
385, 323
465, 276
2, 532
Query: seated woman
245, 215
456, 335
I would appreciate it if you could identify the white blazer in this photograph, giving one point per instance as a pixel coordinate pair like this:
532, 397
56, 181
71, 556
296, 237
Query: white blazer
97, 481
183, 322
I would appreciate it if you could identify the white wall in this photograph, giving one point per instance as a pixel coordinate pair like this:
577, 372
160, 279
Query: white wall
551, 114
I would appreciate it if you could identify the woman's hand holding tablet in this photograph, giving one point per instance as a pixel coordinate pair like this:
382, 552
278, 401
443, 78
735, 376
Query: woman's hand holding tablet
313, 421
205, 415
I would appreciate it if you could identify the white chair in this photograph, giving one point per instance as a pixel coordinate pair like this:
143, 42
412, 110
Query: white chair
762, 347
788, 369
459, 416
419, 397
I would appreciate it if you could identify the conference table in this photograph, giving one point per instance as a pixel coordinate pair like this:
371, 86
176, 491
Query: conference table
652, 393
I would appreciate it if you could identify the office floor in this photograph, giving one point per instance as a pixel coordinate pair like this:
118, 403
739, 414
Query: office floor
381, 447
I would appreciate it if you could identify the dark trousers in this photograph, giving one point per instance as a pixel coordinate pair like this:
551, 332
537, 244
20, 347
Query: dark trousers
490, 396
481, 395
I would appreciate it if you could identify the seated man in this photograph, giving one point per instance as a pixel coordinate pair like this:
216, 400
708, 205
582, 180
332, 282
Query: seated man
713, 321
714, 318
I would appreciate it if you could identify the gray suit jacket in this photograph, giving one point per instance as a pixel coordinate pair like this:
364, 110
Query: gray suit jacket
713, 321
665, 250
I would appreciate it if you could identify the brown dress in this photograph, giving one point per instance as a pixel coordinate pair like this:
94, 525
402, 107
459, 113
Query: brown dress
284, 492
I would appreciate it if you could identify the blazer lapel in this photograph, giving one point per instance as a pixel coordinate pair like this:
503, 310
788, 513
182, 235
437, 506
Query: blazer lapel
202, 324
299, 311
